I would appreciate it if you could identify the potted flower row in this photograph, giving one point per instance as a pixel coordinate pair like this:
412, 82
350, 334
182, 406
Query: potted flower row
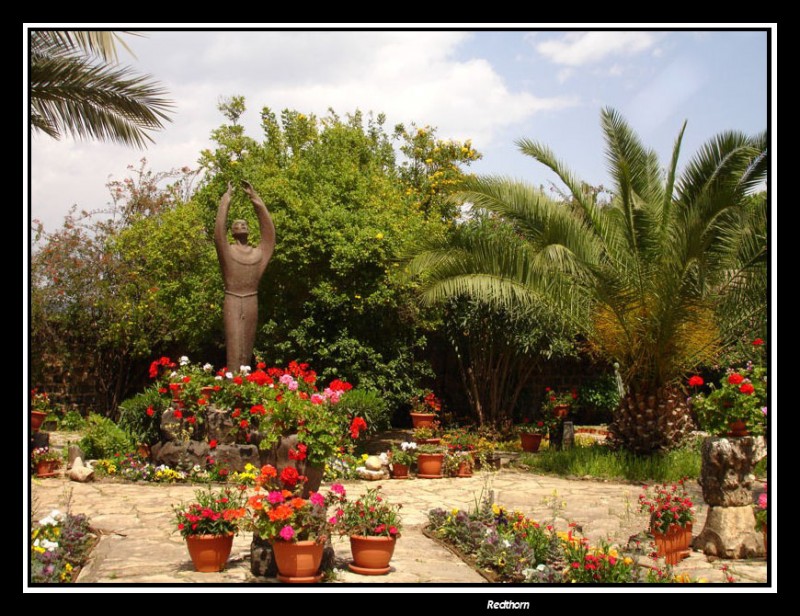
671, 516
432, 461
298, 528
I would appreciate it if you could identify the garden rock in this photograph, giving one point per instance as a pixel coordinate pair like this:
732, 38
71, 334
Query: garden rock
181, 455
373, 463
170, 426
235, 457
726, 474
730, 533
74, 452
79, 472
370, 475
220, 426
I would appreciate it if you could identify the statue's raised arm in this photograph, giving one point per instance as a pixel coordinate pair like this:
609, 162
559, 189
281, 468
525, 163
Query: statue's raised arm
266, 226
221, 226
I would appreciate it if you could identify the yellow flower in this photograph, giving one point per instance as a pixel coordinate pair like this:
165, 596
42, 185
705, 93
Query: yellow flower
496, 509
428, 161
454, 511
364, 456
627, 560
359, 297
682, 578
379, 236
36, 548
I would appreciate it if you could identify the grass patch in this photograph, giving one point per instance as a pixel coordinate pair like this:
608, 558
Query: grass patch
604, 463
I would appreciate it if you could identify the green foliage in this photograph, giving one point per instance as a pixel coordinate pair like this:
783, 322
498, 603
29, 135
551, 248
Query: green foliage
71, 421
368, 404
599, 398
104, 439
333, 294
140, 415
601, 462
741, 396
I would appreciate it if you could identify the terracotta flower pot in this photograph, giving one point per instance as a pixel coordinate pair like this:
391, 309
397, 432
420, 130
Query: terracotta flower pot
299, 562
371, 555
429, 465
37, 418
530, 442
143, 450
47, 468
674, 545
429, 441
561, 410
399, 471
464, 470
423, 420
737, 428
209, 552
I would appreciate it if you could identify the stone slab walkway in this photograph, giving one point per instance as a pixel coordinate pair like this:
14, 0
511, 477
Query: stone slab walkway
138, 546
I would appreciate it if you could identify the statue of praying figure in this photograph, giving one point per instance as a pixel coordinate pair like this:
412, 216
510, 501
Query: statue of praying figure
242, 266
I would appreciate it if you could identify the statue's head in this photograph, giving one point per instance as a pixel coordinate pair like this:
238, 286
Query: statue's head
239, 230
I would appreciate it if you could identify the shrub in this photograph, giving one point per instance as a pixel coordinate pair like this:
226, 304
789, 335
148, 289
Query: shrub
136, 418
370, 405
71, 421
599, 399
104, 439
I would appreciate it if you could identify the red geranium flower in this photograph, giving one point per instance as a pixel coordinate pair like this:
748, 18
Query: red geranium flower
150, 411
695, 381
236, 413
177, 414
243, 424
290, 476
237, 380
758, 342
356, 426
747, 388
735, 378
260, 365
191, 420
212, 443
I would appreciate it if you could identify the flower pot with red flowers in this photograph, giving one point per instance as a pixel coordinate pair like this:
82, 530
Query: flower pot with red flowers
401, 458
735, 407
40, 409
671, 516
430, 461
373, 525
208, 525
531, 432
458, 463
424, 410
558, 403
45, 461
296, 527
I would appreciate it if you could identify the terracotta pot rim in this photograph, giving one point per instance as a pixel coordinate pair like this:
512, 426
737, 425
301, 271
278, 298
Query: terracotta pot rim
304, 542
381, 538
414, 413
195, 536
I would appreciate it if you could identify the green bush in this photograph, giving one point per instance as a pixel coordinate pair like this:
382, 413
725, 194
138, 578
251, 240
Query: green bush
135, 420
71, 421
370, 405
104, 439
601, 462
599, 399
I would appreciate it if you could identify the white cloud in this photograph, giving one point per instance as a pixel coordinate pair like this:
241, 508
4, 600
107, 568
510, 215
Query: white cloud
564, 74
616, 70
580, 48
410, 76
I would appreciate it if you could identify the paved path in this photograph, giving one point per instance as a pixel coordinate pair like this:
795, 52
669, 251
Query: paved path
137, 543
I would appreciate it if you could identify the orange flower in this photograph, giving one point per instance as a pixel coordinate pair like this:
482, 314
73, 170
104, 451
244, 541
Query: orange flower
232, 514
298, 503
256, 501
281, 512
286, 493
268, 471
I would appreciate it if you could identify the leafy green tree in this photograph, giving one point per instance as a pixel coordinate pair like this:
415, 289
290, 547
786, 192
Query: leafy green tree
76, 88
333, 294
658, 279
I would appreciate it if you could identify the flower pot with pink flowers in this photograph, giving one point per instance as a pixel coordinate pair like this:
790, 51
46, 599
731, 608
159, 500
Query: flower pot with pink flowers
373, 525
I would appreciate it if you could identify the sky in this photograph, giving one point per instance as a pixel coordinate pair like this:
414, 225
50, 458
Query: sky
492, 87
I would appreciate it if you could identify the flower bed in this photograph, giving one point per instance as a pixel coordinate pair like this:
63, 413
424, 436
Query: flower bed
60, 544
507, 546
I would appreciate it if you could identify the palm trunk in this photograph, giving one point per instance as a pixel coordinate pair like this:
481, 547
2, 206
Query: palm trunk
646, 423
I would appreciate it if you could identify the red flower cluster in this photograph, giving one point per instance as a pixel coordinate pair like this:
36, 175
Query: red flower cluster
695, 381
154, 366
337, 385
259, 377
356, 426
298, 454
290, 477
150, 411
735, 378
758, 342
747, 388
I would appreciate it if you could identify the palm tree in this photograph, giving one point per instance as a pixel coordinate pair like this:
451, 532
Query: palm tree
659, 278
76, 88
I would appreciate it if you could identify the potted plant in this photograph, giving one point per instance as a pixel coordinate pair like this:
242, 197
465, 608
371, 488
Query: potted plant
373, 525
45, 461
427, 435
558, 403
737, 406
424, 409
208, 525
458, 463
296, 527
532, 432
430, 459
401, 459
671, 516
40, 408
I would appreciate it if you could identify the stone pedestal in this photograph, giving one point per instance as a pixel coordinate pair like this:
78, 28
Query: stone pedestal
727, 482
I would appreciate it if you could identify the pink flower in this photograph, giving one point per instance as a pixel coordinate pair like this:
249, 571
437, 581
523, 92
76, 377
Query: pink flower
762, 501
764, 411
287, 532
337, 488
380, 528
317, 399
275, 497
392, 530
292, 386
317, 499
286, 379
333, 519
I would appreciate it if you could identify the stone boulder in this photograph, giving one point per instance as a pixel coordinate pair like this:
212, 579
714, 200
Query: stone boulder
79, 472
727, 467
235, 457
730, 533
220, 426
182, 455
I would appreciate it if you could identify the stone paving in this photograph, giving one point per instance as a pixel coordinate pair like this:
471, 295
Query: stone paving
137, 544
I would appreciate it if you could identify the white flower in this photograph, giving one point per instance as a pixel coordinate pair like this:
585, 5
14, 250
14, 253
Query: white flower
207, 367
173, 374
183, 361
406, 446
218, 378
384, 458
506, 543
244, 369
52, 519
540, 567
229, 375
